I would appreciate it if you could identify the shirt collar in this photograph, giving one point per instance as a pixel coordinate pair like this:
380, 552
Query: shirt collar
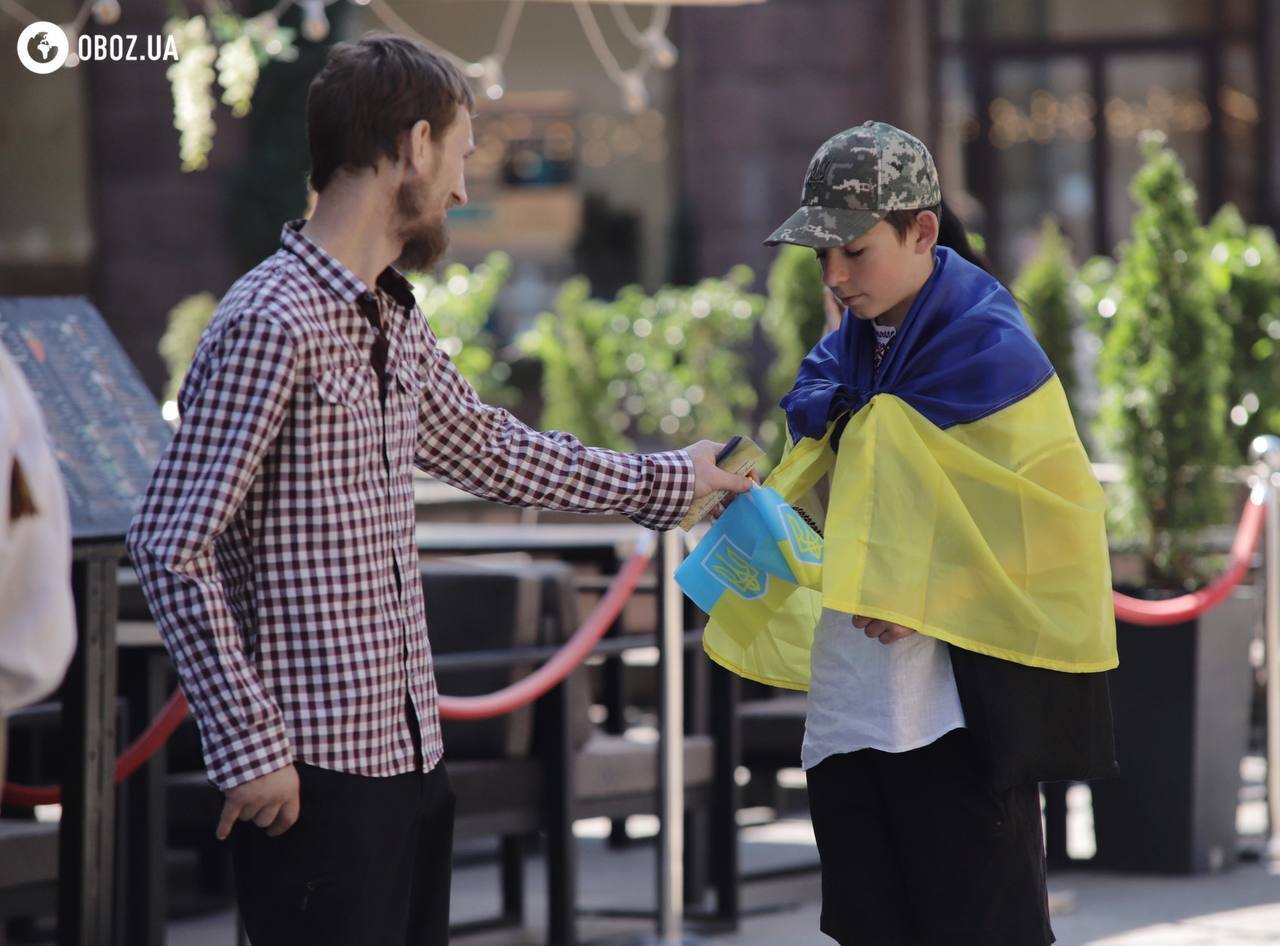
335, 277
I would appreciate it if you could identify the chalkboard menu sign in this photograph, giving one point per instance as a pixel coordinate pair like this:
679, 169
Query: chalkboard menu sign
105, 425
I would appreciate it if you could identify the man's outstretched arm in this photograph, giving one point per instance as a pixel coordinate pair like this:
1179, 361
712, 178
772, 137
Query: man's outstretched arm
487, 452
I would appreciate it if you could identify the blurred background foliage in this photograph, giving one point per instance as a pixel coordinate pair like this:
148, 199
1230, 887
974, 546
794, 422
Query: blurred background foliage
1168, 353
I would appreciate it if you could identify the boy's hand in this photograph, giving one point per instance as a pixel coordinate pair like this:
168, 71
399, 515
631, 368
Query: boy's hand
270, 801
707, 477
885, 631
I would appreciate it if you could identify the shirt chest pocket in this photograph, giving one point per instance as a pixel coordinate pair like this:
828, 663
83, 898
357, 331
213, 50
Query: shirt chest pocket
347, 417
403, 405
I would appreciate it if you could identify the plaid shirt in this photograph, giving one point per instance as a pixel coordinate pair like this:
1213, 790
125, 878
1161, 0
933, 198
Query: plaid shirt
275, 543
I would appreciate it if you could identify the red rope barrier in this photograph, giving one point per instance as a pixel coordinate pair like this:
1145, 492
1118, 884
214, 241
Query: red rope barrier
579, 646
521, 693
527, 689
1189, 606
132, 759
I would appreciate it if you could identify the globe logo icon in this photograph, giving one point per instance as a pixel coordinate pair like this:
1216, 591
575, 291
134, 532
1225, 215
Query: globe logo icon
43, 47
40, 49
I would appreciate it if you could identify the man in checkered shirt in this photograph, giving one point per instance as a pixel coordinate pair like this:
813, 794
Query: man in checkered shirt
275, 543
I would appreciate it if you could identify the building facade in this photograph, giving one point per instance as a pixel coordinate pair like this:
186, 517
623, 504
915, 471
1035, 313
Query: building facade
1031, 107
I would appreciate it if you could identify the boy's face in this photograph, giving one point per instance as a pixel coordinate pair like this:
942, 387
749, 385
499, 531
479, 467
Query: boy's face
878, 275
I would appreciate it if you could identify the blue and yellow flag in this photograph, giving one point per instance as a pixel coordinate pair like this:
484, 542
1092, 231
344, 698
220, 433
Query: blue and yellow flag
962, 503
756, 540
760, 562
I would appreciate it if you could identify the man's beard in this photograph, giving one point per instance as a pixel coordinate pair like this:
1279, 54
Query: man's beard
424, 242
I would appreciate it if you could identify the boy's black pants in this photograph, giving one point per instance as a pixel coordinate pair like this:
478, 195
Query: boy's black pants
918, 849
366, 864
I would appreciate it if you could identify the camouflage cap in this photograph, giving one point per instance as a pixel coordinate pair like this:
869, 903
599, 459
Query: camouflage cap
856, 178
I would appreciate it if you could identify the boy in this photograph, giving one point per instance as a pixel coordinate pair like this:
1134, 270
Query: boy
965, 602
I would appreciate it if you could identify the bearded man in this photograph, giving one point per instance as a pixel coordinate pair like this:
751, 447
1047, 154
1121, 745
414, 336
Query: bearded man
275, 543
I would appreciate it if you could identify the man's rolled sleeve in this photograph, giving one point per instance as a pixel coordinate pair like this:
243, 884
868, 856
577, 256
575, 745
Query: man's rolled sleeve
670, 494
487, 452
235, 758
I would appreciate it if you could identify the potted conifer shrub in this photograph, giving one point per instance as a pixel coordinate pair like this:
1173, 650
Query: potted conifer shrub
1181, 693
1244, 269
1044, 290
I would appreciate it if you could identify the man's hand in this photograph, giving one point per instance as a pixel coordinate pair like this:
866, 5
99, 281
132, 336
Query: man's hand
721, 506
270, 801
707, 477
885, 631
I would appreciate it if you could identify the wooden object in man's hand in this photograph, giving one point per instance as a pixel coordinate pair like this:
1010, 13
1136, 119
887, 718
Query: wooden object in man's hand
739, 456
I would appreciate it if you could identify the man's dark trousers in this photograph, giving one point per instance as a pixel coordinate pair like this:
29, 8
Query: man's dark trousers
366, 864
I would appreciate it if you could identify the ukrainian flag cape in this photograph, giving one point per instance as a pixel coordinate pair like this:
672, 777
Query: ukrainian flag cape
961, 504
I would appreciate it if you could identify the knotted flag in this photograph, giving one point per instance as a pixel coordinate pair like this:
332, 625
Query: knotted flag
961, 501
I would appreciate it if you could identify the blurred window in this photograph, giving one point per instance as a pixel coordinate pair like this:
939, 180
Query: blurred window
1039, 105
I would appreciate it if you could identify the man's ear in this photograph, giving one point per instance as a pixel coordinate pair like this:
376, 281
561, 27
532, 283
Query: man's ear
927, 226
417, 150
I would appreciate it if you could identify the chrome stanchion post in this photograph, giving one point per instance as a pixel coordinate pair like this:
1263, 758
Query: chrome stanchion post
1265, 451
670, 925
671, 764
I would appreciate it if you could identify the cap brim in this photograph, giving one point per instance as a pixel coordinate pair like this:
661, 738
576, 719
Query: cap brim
824, 227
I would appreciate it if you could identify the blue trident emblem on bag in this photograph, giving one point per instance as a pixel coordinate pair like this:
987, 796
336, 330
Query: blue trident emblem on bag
733, 568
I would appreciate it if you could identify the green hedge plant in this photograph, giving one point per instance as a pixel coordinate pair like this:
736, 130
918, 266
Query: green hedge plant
1163, 372
1244, 268
649, 371
1045, 291
457, 305
794, 319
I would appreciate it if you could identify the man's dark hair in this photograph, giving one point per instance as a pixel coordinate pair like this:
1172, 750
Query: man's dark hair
369, 93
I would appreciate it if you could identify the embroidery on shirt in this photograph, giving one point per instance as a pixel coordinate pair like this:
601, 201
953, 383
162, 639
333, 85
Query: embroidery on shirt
884, 335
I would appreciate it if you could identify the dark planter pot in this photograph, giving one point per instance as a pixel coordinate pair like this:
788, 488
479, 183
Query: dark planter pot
1181, 701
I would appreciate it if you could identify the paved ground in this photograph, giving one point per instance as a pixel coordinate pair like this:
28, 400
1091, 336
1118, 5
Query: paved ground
1240, 907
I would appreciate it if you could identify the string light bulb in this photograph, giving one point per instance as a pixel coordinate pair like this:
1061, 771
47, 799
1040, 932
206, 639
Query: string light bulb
73, 38
492, 81
635, 94
662, 52
315, 23
106, 12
